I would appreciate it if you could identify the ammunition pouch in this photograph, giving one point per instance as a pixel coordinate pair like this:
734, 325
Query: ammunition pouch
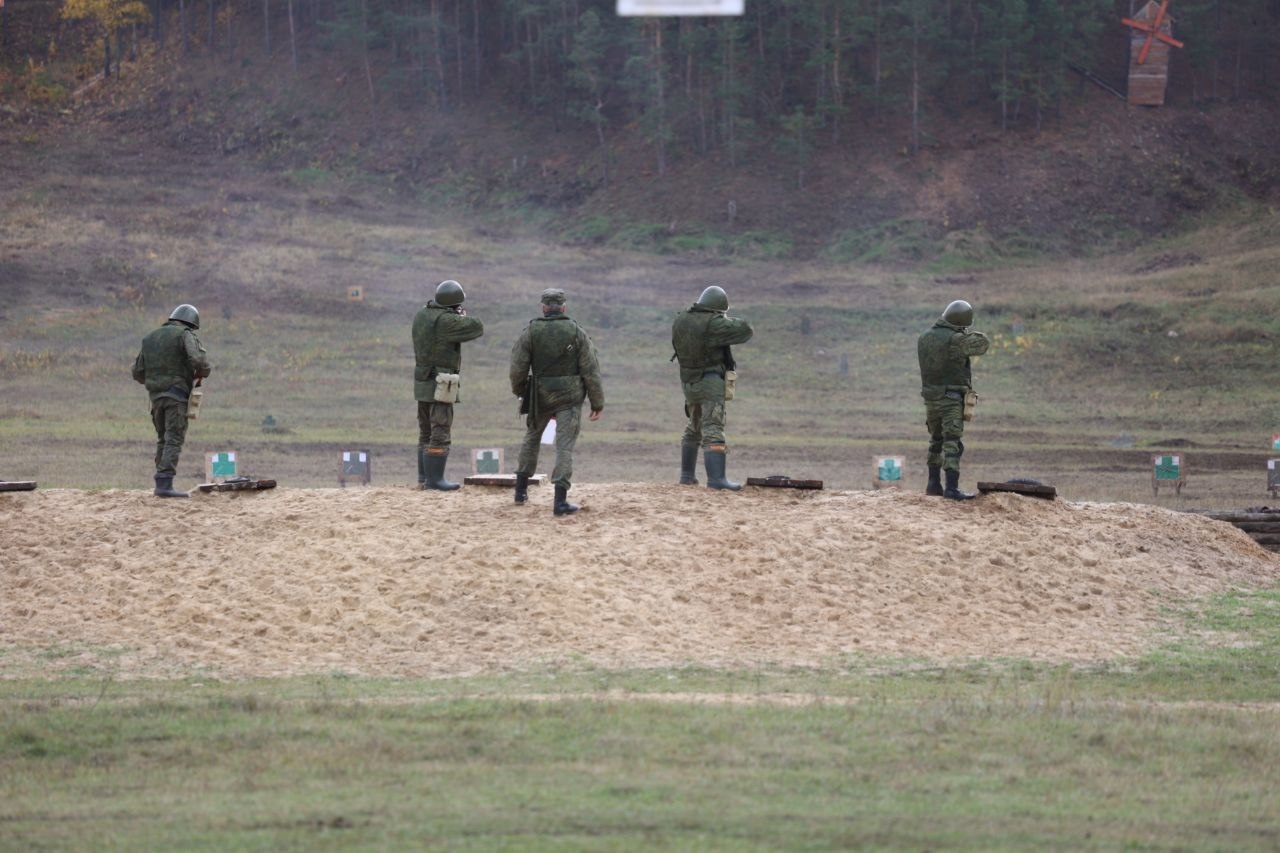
730, 383
194, 401
447, 387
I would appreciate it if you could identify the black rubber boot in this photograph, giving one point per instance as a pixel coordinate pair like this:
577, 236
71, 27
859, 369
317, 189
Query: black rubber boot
563, 507
935, 481
165, 489
522, 487
435, 473
422, 467
952, 490
688, 464
714, 460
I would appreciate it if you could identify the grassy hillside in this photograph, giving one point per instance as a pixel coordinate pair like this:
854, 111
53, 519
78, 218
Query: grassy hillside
1171, 344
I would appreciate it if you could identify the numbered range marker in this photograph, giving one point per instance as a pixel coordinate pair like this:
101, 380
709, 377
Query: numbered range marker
220, 466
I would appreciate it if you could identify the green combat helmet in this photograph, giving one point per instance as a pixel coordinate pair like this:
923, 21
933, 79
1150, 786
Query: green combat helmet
959, 313
449, 293
714, 298
188, 314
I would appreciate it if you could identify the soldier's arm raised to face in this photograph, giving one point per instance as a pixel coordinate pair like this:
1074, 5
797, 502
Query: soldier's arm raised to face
725, 331
972, 343
457, 328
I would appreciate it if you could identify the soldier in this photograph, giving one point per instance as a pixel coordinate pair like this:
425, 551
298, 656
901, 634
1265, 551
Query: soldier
701, 337
553, 368
170, 364
438, 332
946, 378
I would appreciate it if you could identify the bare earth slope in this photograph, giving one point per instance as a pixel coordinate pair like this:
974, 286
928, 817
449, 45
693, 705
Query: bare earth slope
396, 582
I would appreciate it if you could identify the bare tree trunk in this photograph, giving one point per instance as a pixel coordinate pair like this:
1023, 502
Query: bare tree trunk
475, 41
106, 56
213, 14
368, 71
731, 129
915, 87
293, 39
457, 43
266, 24
1004, 89
875, 65
438, 50
662, 99
837, 88
182, 21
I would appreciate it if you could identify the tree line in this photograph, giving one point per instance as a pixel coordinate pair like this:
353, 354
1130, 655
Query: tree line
796, 72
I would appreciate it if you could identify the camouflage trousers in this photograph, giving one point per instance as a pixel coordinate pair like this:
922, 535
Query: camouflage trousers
435, 424
568, 424
704, 405
945, 420
169, 416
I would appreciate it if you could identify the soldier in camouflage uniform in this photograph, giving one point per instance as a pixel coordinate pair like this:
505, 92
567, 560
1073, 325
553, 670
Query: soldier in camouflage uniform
553, 369
701, 337
171, 361
946, 376
438, 332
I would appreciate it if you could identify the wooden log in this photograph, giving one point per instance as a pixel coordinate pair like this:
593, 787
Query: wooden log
1258, 526
17, 486
1234, 517
507, 480
237, 484
1034, 490
1265, 538
781, 481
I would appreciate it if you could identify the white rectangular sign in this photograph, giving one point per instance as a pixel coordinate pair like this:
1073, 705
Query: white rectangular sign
635, 8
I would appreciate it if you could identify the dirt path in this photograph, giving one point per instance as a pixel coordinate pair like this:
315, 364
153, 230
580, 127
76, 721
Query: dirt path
395, 582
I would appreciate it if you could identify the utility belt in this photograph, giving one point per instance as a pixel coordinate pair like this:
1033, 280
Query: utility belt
967, 396
730, 378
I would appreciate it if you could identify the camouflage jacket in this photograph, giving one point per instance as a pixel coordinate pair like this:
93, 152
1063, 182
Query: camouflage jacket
945, 351
560, 355
438, 334
701, 338
170, 361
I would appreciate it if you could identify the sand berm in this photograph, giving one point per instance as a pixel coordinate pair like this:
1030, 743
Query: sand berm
396, 582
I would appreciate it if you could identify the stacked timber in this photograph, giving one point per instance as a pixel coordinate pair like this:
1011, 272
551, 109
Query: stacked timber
1261, 523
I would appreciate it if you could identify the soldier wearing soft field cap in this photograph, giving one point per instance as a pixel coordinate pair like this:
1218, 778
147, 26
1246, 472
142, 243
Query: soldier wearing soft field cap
554, 368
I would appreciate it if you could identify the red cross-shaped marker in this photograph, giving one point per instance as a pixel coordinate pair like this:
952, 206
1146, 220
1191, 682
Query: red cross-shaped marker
1153, 31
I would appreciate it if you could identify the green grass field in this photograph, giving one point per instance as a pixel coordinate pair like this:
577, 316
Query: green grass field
1173, 751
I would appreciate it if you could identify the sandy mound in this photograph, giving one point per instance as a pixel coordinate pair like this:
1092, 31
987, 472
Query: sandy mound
398, 582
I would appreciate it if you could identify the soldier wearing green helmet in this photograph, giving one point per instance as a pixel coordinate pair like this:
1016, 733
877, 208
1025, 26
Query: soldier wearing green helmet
439, 330
701, 337
171, 362
946, 379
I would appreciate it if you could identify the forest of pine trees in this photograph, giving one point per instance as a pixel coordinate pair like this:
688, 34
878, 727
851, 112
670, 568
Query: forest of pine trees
799, 71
